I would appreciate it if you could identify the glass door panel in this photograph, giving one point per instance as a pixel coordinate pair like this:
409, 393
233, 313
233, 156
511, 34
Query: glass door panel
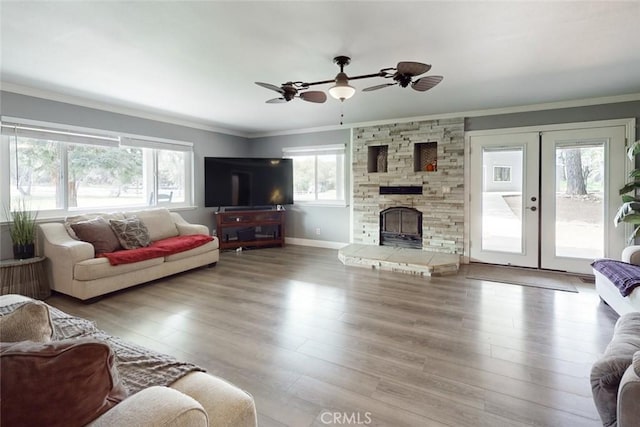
579, 198
502, 199
579, 216
504, 194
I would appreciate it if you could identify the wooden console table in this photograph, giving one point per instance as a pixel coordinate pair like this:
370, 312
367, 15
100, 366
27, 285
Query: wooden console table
25, 277
250, 229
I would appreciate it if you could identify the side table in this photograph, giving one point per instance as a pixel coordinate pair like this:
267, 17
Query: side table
25, 277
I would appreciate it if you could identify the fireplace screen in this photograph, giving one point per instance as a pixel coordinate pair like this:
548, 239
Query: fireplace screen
401, 227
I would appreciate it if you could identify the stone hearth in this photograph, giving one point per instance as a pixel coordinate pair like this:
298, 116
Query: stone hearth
403, 260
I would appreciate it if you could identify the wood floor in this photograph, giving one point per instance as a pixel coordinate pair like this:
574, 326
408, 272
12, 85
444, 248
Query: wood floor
318, 343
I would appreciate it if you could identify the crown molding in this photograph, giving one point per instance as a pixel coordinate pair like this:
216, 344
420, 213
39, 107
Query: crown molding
473, 113
98, 105
83, 102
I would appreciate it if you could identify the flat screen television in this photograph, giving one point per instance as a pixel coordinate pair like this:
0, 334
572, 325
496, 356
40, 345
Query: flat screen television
251, 181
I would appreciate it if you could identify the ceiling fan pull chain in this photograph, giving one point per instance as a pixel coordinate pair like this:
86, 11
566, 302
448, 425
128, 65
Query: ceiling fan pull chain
341, 112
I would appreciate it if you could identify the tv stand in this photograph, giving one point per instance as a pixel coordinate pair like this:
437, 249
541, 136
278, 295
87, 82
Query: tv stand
250, 228
246, 208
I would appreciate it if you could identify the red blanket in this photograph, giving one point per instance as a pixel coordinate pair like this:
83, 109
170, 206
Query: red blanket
161, 248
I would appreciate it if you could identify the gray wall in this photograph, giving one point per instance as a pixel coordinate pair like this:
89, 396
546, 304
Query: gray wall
303, 220
205, 143
621, 110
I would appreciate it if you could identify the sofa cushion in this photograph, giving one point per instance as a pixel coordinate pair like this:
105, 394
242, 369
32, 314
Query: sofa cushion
97, 268
86, 217
132, 256
158, 222
207, 247
161, 248
131, 232
99, 233
29, 322
61, 383
188, 229
607, 372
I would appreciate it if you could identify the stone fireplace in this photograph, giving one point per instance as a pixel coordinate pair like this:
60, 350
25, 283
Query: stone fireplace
401, 227
417, 165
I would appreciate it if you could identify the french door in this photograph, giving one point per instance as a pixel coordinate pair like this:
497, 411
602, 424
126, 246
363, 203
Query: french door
546, 199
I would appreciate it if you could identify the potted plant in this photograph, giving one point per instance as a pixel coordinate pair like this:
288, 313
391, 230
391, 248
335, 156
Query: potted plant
22, 229
629, 212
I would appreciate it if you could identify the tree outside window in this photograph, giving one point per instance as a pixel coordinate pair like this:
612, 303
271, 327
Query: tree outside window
52, 170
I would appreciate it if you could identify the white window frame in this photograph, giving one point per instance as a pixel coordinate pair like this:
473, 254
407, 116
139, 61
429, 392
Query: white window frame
73, 134
493, 175
318, 150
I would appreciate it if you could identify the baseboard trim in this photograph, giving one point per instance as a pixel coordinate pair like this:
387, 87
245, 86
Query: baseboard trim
314, 243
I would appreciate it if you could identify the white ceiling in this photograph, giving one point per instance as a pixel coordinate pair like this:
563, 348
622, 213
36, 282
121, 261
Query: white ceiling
197, 61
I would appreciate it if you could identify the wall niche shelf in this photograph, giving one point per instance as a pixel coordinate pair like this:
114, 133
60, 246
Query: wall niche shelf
377, 158
425, 157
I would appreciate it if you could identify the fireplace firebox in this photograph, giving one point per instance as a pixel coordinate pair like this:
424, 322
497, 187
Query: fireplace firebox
401, 227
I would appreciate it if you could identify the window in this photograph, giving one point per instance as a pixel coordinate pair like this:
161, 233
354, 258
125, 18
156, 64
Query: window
318, 173
502, 174
171, 176
58, 171
103, 176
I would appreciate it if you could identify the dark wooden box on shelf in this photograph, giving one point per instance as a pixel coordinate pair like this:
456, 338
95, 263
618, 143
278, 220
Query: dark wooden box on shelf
250, 228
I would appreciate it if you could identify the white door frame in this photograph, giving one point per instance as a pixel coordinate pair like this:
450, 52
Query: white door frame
527, 144
630, 127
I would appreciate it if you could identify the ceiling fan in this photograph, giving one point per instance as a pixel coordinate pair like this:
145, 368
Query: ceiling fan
290, 90
403, 75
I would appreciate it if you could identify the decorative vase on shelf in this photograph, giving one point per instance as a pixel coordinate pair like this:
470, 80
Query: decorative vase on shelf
382, 162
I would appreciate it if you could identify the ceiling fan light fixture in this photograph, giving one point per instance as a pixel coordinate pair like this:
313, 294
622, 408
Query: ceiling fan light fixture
342, 90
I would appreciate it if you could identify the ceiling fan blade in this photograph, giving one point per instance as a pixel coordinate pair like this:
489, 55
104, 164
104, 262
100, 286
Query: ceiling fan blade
270, 86
412, 68
369, 89
426, 83
314, 96
276, 101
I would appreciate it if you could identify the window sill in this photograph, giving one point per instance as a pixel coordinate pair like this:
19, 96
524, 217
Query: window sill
56, 216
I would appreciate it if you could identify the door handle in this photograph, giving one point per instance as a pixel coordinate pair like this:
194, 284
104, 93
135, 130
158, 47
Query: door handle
533, 208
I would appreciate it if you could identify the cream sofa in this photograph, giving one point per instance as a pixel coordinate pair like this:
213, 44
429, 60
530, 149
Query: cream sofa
615, 377
610, 294
196, 399
74, 270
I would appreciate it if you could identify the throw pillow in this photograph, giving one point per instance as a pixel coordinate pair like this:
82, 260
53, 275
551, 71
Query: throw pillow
131, 232
85, 217
31, 321
158, 221
99, 233
61, 383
